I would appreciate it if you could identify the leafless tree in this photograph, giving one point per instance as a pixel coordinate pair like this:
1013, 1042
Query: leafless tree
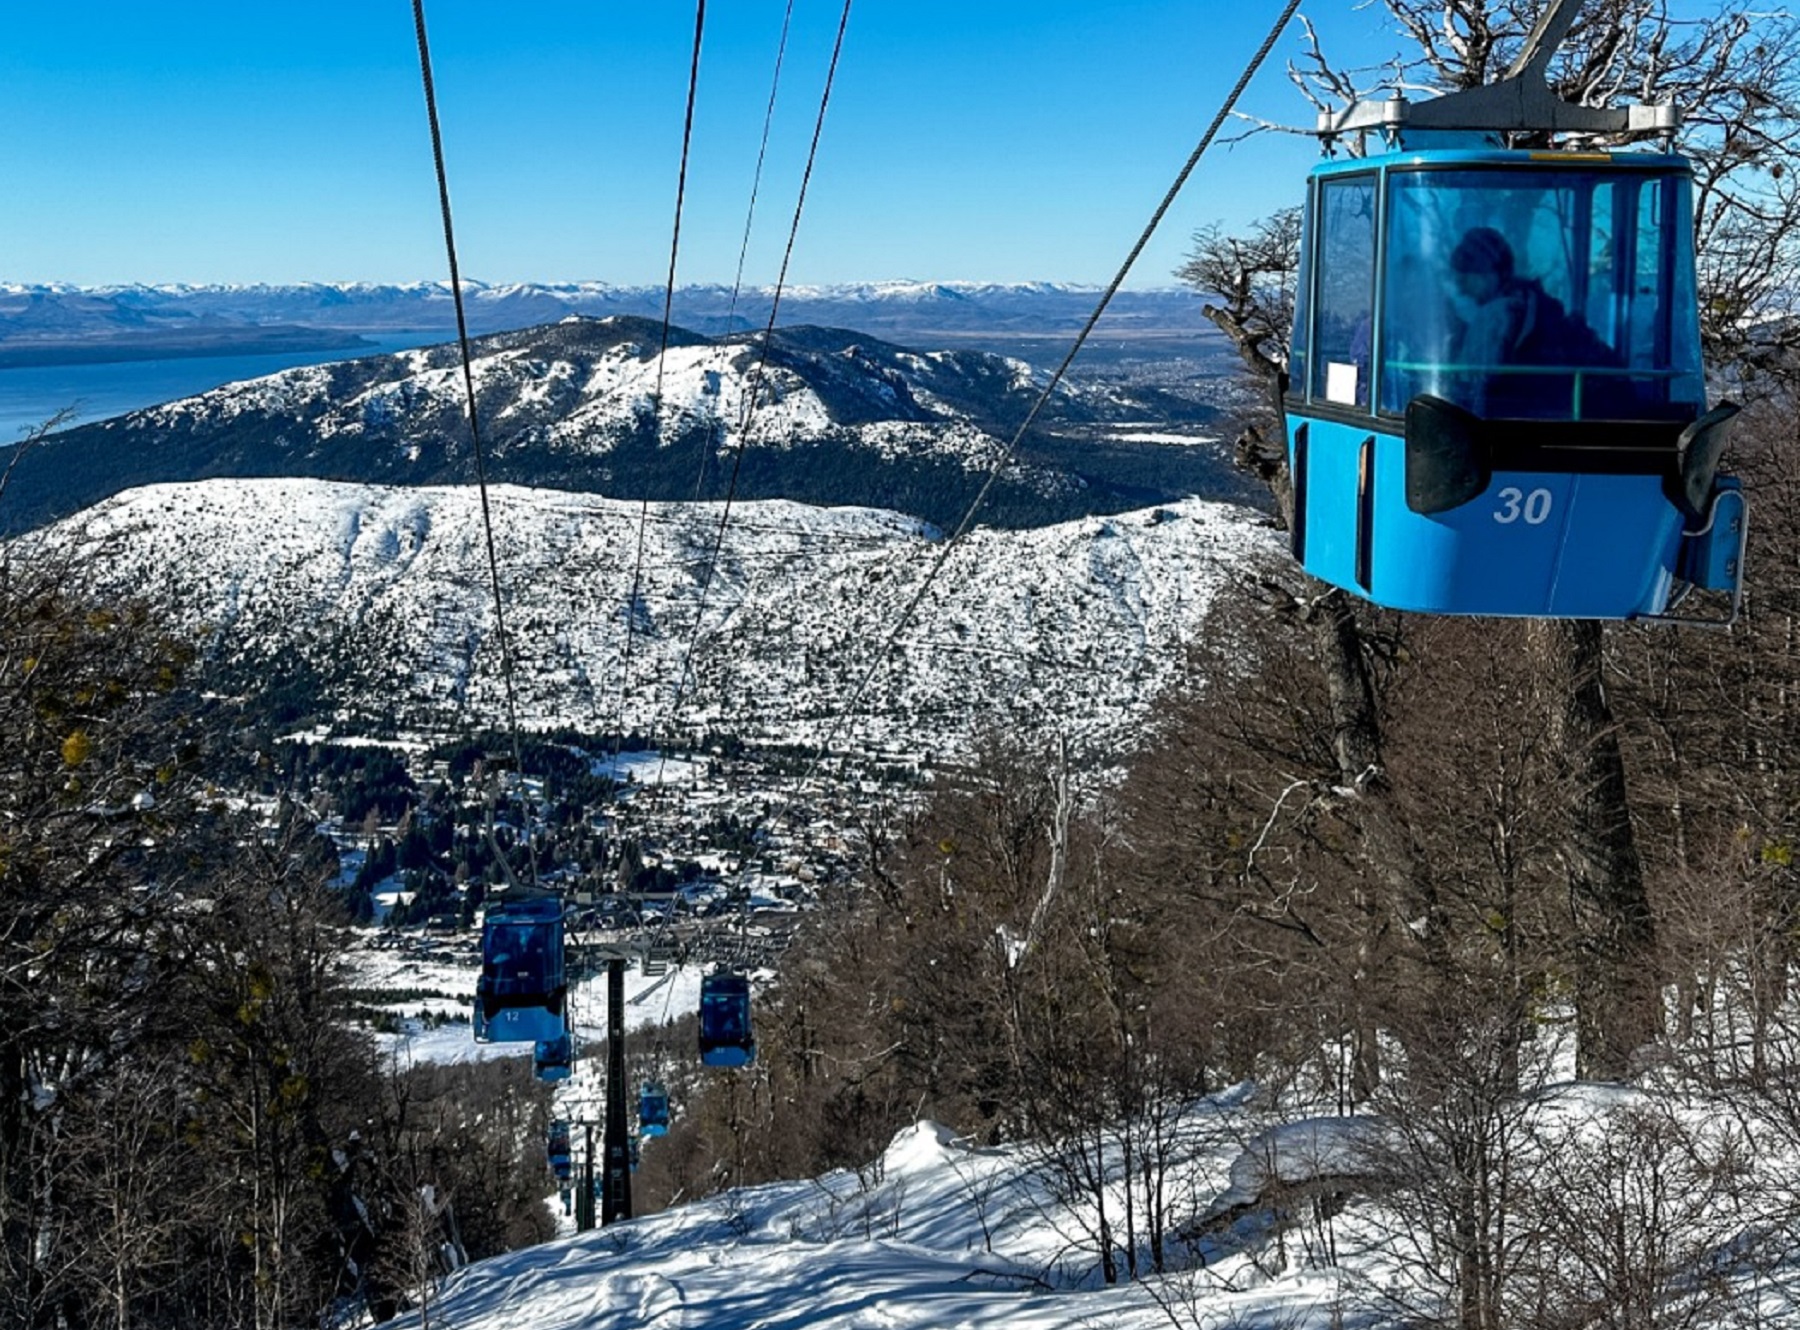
1453, 1161
1646, 1220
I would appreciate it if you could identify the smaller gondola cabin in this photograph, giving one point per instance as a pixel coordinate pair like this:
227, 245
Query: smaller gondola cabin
554, 1059
726, 1039
557, 1150
522, 993
653, 1109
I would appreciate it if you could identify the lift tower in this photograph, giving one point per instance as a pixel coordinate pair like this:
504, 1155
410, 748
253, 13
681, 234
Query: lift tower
615, 1195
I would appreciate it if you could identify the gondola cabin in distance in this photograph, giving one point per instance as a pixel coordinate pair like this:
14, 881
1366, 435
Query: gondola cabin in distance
554, 1059
522, 994
557, 1150
1495, 400
726, 1037
653, 1109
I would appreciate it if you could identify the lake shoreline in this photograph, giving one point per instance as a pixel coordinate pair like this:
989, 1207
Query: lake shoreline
95, 390
286, 340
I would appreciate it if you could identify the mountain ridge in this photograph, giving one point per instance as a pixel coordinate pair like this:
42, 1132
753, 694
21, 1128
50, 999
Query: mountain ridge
51, 313
588, 405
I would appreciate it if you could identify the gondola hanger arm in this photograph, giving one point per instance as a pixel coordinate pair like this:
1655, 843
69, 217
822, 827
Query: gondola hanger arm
1519, 102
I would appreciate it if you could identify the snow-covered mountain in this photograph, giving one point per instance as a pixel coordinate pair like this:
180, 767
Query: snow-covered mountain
45, 315
840, 418
377, 601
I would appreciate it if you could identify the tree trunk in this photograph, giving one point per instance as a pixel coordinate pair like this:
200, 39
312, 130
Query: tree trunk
1398, 886
1617, 993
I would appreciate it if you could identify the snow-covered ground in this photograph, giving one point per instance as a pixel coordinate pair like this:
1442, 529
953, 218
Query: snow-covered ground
649, 769
901, 1244
1077, 627
939, 1232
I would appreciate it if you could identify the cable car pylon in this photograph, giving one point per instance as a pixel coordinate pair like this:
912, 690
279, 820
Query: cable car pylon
611, 1182
615, 1191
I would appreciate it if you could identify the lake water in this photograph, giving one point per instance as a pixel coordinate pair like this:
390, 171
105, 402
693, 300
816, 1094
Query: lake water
31, 394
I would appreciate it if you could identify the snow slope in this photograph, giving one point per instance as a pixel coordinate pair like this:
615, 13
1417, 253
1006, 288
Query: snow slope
383, 593
899, 1245
938, 1234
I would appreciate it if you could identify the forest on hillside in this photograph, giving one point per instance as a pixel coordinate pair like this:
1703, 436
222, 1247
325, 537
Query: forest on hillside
192, 1132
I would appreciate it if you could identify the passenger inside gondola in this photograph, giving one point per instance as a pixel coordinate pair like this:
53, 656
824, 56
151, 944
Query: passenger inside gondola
1510, 320
1530, 295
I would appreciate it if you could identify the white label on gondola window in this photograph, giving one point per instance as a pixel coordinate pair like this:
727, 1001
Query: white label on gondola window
1515, 503
1340, 382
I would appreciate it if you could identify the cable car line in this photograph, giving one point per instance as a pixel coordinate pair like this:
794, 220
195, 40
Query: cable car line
468, 374
687, 138
725, 1033
759, 371
1006, 455
637, 575
523, 993
762, 151
662, 355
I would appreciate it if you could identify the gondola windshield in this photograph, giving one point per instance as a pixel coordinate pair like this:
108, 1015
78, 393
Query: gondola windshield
1552, 294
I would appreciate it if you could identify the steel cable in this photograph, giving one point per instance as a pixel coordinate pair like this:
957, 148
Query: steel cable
662, 355
759, 371
1006, 455
468, 373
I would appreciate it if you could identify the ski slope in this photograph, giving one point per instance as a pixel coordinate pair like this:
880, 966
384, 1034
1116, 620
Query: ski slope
898, 1246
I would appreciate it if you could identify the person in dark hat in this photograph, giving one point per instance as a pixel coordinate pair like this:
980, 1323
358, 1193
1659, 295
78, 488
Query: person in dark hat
1483, 252
1512, 320
1503, 309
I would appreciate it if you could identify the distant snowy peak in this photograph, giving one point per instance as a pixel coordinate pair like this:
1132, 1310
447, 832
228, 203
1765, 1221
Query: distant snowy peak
373, 603
69, 312
963, 291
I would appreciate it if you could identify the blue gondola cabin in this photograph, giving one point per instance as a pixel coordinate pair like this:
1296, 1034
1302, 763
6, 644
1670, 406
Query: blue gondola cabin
653, 1109
522, 994
1495, 400
726, 1039
554, 1059
557, 1150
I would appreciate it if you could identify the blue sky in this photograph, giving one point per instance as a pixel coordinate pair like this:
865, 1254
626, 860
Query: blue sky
285, 140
